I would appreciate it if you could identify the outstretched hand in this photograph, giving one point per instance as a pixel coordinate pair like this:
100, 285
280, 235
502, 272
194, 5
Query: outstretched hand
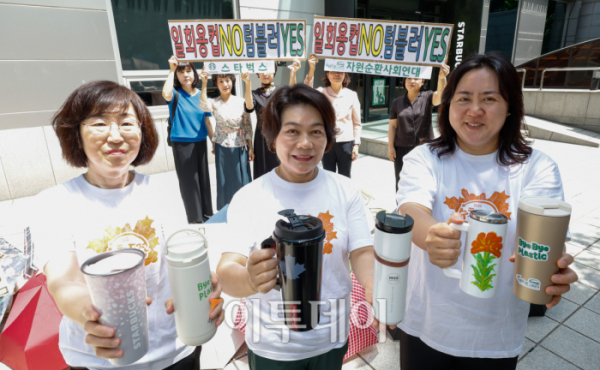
562, 279
443, 242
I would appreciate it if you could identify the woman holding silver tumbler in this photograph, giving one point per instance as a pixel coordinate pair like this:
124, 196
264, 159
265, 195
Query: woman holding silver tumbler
106, 128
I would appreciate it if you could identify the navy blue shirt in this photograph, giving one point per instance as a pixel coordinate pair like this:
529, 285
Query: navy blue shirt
188, 124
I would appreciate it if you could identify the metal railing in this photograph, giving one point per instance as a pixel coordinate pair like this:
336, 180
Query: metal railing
524, 74
566, 69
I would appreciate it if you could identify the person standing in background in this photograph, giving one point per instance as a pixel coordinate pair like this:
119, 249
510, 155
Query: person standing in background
410, 118
233, 135
347, 117
189, 128
264, 159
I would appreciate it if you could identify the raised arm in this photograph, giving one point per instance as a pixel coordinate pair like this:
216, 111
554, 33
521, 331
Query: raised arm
167, 92
356, 126
248, 93
293, 70
203, 94
312, 64
437, 96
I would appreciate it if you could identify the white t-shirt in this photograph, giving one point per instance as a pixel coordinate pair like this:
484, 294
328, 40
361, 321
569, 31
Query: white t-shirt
77, 216
438, 311
251, 218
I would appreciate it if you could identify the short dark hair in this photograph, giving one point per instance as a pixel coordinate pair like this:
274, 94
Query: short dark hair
288, 96
513, 147
215, 78
274, 73
345, 83
95, 98
182, 66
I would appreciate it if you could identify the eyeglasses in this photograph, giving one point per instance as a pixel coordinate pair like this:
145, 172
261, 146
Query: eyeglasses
126, 127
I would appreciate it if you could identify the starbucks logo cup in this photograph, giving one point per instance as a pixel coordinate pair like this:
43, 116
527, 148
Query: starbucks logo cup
117, 286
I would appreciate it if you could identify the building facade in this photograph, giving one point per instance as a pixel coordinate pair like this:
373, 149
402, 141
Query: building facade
50, 47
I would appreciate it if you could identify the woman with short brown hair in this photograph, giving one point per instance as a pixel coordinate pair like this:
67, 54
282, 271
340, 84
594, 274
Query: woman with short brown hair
299, 126
107, 128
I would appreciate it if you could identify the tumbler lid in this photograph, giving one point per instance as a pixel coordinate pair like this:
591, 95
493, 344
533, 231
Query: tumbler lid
186, 246
488, 217
394, 223
298, 227
544, 206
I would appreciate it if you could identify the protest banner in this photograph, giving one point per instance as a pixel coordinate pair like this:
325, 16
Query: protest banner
266, 66
424, 44
379, 69
237, 40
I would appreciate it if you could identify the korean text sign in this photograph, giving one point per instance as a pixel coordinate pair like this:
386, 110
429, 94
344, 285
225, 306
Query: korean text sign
381, 41
234, 40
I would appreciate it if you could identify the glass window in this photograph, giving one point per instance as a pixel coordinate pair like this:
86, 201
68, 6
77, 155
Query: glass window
555, 24
502, 23
530, 74
142, 28
587, 55
556, 60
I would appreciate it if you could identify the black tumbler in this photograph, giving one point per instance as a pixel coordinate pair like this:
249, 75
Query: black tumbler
299, 245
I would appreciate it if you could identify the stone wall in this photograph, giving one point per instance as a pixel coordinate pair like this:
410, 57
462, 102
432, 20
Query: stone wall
577, 108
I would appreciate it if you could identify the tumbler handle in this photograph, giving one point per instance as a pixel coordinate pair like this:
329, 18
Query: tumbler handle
450, 272
270, 243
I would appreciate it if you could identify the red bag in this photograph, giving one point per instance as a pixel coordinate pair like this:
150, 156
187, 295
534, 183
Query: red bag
29, 340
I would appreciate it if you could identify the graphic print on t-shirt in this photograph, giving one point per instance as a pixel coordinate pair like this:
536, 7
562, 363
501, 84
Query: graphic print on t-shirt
469, 202
142, 237
485, 249
329, 227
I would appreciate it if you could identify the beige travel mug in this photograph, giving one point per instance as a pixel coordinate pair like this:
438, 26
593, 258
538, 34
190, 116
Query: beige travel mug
542, 225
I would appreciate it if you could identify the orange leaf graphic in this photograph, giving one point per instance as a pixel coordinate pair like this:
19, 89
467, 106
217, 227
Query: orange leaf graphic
498, 200
330, 234
491, 243
452, 203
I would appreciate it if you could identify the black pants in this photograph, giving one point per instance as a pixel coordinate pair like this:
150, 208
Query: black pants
416, 355
401, 151
339, 156
192, 362
191, 165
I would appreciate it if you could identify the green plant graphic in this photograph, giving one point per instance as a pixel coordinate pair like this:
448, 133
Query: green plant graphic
485, 249
483, 271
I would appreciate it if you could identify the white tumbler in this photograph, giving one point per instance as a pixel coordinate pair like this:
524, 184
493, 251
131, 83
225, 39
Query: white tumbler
393, 240
189, 275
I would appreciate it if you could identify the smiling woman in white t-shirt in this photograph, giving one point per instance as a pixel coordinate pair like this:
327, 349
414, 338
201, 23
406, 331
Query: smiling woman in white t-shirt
480, 161
106, 128
299, 126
